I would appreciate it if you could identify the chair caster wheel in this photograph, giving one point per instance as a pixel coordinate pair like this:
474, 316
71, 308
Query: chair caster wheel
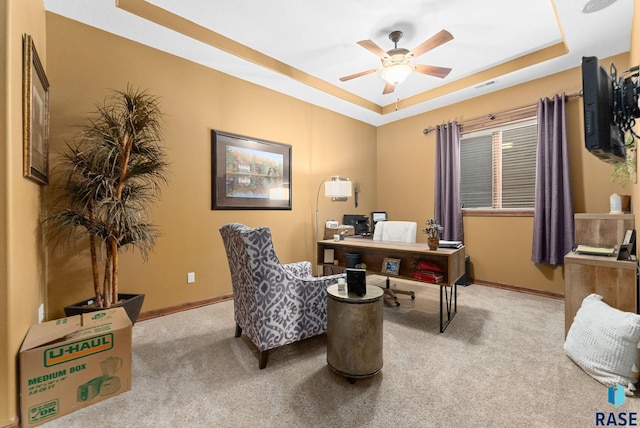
397, 303
413, 297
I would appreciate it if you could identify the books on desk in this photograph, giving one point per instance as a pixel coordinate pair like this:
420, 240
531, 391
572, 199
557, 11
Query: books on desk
428, 276
450, 244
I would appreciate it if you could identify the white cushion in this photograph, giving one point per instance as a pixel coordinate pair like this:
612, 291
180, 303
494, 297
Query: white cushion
603, 341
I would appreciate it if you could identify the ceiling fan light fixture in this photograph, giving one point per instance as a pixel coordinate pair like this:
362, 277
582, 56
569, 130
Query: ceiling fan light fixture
396, 74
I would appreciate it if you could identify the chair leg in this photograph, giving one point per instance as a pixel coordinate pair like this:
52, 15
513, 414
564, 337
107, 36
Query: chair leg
407, 292
263, 359
391, 294
263, 354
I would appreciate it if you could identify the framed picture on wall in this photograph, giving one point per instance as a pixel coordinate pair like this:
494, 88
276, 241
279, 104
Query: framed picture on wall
35, 114
249, 174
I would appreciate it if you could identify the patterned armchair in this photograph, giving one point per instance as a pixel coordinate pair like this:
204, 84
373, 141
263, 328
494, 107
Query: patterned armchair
274, 304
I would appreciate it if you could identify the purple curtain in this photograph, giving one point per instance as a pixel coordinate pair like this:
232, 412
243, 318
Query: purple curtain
448, 203
553, 220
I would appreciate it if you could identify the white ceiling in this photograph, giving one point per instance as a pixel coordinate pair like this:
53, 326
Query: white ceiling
313, 43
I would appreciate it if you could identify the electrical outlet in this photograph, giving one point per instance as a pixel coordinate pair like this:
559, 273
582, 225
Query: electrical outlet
191, 277
41, 313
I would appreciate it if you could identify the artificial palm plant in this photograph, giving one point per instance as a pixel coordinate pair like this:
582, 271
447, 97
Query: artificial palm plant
106, 181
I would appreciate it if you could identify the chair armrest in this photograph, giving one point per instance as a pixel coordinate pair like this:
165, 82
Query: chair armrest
299, 269
302, 271
322, 281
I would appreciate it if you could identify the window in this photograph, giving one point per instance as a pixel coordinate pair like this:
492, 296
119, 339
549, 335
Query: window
498, 167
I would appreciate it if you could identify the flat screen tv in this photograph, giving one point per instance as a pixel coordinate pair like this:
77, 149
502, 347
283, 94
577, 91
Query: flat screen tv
602, 136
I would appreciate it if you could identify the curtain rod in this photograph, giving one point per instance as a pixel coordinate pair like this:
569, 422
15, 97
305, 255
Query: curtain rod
492, 116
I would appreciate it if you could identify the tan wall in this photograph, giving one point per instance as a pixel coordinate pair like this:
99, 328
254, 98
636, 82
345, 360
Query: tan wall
635, 60
499, 247
22, 270
84, 62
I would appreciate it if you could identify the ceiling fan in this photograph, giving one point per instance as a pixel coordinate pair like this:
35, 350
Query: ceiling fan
396, 63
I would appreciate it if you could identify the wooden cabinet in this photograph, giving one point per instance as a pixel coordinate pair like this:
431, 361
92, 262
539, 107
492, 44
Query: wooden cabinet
615, 280
602, 229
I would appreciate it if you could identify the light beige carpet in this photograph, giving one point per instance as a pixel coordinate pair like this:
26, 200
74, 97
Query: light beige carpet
499, 364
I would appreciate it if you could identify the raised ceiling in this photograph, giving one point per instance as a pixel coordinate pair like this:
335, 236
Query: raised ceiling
302, 48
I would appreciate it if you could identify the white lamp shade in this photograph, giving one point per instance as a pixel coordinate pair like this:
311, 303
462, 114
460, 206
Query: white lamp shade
337, 189
396, 73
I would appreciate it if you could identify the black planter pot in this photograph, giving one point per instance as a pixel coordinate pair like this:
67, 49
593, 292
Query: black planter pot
132, 304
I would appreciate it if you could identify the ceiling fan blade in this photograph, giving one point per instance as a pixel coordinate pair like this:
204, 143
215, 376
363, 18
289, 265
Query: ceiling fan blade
432, 70
373, 48
388, 88
433, 42
362, 73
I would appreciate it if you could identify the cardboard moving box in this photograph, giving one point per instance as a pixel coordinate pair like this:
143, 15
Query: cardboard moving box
70, 363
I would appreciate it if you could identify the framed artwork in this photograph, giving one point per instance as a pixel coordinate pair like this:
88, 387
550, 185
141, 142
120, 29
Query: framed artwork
249, 174
329, 255
35, 114
391, 266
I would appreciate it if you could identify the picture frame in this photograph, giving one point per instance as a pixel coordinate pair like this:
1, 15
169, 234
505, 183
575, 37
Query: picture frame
391, 266
35, 114
329, 255
249, 173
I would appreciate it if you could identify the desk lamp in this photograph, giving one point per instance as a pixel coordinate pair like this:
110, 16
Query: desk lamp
336, 188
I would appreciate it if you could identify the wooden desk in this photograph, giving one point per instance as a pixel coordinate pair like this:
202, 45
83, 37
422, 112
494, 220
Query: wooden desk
372, 253
615, 280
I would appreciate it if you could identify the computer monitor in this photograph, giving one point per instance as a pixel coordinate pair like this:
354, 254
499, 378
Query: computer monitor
377, 216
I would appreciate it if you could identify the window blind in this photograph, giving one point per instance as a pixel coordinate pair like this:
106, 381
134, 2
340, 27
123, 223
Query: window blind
498, 167
519, 166
476, 177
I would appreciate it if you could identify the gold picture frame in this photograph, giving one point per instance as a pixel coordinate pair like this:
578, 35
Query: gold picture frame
35, 114
391, 266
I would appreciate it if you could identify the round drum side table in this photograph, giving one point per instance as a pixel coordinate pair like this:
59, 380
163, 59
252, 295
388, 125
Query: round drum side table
354, 332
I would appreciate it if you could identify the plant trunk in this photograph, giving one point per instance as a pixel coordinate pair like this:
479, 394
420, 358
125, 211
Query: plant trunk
94, 268
114, 267
126, 144
126, 154
106, 285
94, 261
